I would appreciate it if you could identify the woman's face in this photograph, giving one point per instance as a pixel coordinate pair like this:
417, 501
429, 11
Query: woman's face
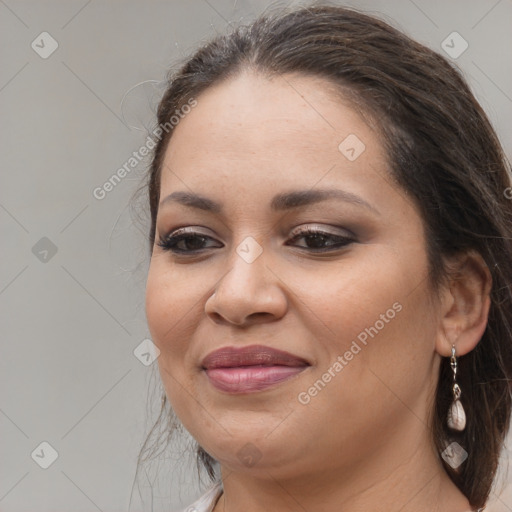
356, 310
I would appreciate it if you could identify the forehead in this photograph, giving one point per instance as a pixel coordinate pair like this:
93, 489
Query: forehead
288, 127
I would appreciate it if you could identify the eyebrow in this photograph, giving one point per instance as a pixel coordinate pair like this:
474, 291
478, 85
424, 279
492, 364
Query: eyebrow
280, 202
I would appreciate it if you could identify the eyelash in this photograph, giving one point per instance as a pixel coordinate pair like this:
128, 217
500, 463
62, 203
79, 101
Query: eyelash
170, 242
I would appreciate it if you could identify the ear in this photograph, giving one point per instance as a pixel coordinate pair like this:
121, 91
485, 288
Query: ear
465, 304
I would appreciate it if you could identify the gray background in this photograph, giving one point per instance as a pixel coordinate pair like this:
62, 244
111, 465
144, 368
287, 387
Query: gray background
72, 320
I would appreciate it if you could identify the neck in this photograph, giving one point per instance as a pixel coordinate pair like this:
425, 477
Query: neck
394, 478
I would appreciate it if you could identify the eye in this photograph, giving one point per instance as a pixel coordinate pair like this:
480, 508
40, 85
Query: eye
321, 241
191, 241
185, 241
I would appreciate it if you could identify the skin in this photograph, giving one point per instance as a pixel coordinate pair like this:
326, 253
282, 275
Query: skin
363, 442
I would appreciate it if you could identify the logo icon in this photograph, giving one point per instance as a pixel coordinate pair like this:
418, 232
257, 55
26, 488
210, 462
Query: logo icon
44, 250
454, 45
146, 352
45, 455
454, 455
249, 249
44, 45
351, 147
249, 455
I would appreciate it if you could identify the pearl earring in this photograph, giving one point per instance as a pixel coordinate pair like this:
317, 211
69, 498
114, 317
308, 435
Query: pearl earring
456, 414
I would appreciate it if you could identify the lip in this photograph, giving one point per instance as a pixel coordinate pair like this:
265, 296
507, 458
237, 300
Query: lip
250, 369
253, 355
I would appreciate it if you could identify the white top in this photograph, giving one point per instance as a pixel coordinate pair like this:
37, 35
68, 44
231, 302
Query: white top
207, 501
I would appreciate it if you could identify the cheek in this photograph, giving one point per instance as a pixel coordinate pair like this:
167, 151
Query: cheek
349, 296
380, 324
168, 300
169, 313
376, 312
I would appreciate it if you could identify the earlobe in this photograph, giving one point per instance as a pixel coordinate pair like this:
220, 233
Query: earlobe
465, 304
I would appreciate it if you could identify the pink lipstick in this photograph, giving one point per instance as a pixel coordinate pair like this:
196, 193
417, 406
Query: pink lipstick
250, 369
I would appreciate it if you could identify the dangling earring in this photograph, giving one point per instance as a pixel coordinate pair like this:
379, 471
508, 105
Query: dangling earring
456, 414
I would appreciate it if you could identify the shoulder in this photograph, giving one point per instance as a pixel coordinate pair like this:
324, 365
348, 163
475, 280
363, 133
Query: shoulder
207, 501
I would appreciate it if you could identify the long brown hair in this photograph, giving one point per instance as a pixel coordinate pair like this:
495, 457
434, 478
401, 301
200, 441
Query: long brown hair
443, 151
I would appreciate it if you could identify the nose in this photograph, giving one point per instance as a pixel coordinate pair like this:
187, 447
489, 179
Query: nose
248, 293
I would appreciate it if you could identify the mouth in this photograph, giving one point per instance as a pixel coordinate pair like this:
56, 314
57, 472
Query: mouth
250, 369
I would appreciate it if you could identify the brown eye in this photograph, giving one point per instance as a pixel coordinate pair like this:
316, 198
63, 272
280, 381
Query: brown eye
184, 242
321, 241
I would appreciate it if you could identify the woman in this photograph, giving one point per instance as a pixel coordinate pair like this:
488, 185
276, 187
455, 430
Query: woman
331, 260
